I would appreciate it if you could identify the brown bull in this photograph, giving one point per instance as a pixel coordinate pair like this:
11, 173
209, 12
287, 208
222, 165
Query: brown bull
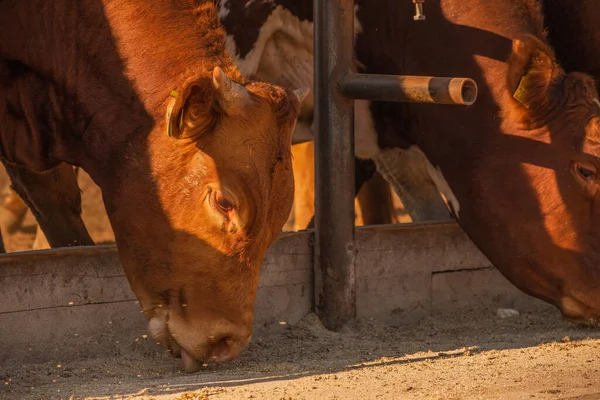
193, 161
574, 33
20, 232
519, 166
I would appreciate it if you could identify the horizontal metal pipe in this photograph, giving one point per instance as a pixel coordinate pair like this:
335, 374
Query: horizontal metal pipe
410, 89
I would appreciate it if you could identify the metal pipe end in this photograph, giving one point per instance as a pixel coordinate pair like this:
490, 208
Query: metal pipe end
463, 91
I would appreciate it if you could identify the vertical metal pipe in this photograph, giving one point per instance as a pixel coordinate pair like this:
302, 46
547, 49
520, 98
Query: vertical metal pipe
334, 157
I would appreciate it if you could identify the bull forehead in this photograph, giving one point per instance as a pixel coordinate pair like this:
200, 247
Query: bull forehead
575, 128
250, 152
248, 166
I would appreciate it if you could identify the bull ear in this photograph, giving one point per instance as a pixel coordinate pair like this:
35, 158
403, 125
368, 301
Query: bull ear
197, 108
233, 99
532, 69
191, 111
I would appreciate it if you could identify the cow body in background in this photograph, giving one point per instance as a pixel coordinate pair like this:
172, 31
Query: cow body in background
518, 168
193, 159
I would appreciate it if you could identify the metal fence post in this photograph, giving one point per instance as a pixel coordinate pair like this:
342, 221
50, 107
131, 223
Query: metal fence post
335, 280
336, 86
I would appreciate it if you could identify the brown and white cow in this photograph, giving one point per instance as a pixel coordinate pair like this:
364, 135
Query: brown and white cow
192, 159
518, 168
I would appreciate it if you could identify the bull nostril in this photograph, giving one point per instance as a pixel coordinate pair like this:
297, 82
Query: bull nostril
222, 349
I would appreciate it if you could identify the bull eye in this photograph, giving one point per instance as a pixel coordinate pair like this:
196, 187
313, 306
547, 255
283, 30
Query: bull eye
586, 173
220, 203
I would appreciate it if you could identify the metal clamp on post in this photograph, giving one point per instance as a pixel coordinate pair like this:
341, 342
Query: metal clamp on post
419, 15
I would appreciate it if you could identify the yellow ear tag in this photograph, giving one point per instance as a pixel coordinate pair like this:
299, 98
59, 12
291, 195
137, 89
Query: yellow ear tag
519, 94
170, 106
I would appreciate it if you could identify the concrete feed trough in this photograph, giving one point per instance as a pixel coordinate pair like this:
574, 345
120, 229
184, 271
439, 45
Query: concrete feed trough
77, 302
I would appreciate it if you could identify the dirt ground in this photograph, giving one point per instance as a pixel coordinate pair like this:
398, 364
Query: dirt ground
474, 355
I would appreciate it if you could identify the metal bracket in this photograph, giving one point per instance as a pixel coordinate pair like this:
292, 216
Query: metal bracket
419, 15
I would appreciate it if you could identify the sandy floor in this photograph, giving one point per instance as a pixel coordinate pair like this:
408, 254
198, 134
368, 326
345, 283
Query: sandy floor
468, 356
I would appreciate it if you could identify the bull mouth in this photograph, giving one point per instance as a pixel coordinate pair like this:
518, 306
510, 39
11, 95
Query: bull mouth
158, 327
191, 364
220, 350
